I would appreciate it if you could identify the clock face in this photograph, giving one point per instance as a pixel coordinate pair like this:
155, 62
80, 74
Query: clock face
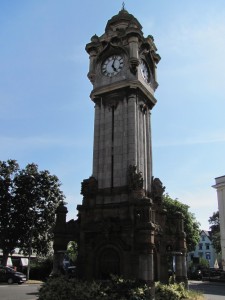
145, 71
112, 65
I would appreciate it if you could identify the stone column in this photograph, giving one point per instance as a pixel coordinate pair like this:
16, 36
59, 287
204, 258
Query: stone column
149, 151
60, 241
181, 268
58, 258
125, 141
180, 255
134, 55
146, 265
145, 241
97, 131
220, 187
132, 157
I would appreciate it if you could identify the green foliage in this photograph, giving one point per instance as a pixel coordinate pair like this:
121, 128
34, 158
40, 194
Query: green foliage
9, 230
203, 262
163, 292
214, 220
191, 226
28, 200
62, 288
72, 251
41, 268
175, 291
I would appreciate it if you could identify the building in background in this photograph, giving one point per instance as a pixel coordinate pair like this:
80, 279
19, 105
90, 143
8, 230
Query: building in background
18, 261
220, 187
204, 249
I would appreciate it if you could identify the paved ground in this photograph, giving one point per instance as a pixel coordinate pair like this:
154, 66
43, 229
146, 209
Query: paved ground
211, 290
19, 292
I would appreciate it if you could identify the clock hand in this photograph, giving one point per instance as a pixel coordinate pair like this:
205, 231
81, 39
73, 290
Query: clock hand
114, 66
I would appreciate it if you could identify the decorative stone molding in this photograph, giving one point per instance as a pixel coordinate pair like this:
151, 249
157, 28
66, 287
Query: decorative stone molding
157, 190
89, 187
123, 34
134, 179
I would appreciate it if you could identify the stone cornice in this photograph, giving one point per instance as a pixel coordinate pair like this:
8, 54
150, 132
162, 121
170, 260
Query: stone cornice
132, 85
220, 183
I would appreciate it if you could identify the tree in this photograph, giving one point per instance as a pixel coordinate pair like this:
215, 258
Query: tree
191, 226
214, 220
72, 251
28, 200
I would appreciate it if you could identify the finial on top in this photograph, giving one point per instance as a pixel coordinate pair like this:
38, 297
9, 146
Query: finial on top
123, 6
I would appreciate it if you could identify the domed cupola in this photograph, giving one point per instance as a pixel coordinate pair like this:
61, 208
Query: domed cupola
122, 20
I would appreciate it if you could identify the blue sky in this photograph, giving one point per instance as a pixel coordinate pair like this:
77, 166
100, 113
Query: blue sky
47, 115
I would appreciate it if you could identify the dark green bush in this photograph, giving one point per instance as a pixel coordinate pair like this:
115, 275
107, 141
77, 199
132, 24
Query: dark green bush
41, 269
62, 288
170, 292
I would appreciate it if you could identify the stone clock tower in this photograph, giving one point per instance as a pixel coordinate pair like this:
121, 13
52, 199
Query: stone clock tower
117, 221
121, 223
123, 74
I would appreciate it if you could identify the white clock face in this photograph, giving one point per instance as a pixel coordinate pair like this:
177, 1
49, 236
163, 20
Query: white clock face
112, 65
145, 71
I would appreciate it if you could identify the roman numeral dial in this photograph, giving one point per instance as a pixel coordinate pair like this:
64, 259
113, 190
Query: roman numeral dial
112, 65
145, 71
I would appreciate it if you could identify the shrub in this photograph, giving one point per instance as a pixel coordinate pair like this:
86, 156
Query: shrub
176, 291
63, 288
41, 269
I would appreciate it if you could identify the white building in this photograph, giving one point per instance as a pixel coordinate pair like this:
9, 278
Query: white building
204, 249
220, 187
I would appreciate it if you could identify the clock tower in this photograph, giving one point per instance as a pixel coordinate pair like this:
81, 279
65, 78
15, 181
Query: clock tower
121, 222
123, 74
117, 215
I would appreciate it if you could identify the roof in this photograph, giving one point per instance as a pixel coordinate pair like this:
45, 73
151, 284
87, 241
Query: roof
207, 233
122, 16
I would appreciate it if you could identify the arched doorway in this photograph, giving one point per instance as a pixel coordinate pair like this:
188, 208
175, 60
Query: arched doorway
109, 263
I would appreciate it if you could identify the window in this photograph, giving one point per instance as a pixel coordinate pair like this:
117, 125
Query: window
207, 246
203, 238
200, 246
207, 255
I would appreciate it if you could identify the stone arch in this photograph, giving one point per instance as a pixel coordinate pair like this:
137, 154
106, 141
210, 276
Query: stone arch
108, 261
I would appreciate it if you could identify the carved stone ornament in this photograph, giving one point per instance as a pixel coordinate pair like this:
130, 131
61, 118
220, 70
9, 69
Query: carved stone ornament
89, 187
91, 76
134, 62
135, 179
157, 189
143, 108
